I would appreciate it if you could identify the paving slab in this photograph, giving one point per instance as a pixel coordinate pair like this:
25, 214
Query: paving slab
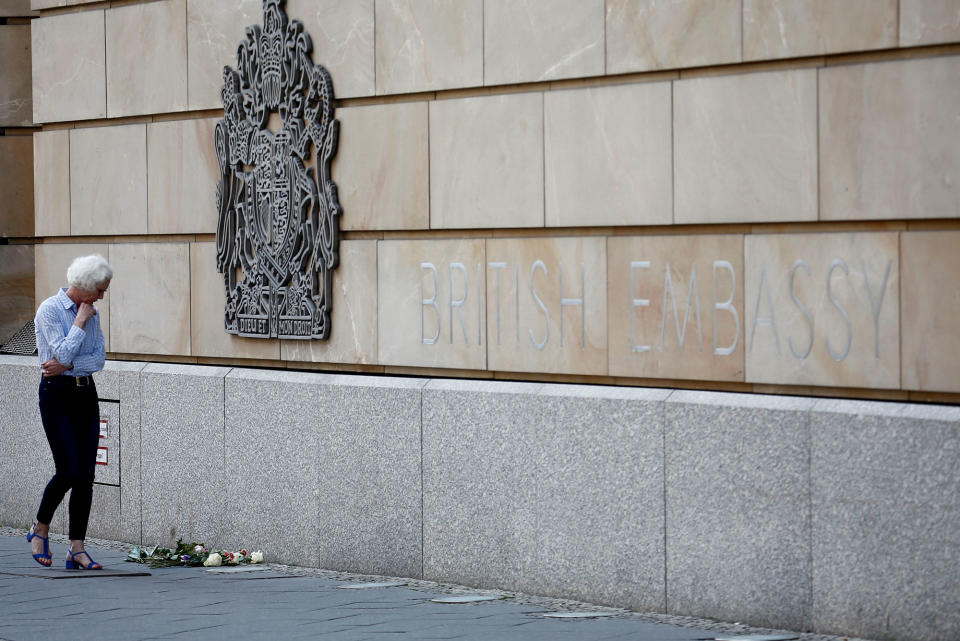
129, 602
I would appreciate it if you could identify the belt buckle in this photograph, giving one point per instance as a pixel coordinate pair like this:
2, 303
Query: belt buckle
84, 381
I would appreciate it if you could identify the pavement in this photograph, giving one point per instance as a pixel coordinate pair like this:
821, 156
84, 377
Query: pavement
131, 602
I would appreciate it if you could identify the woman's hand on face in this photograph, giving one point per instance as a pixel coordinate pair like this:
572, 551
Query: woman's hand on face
84, 313
53, 367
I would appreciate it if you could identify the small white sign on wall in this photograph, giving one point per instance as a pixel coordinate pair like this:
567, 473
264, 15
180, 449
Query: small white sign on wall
102, 456
104, 428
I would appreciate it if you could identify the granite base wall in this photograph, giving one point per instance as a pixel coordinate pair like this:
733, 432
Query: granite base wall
832, 516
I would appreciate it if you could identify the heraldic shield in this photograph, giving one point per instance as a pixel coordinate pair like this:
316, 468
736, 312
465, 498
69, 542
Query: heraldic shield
279, 213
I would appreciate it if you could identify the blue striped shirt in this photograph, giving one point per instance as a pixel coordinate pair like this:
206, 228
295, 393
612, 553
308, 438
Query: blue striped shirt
58, 337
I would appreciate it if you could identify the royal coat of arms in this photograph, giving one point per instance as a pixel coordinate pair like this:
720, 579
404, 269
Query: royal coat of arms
277, 233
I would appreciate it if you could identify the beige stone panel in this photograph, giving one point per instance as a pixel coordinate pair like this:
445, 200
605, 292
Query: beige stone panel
16, 186
147, 58
353, 323
150, 301
182, 182
888, 140
537, 40
108, 180
931, 305
605, 163
15, 8
643, 35
486, 162
547, 305
745, 148
342, 35
207, 302
215, 28
823, 309
381, 168
50, 4
51, 182
51, 263
447, 330
68, 66
676, 306
793, 28
16, 94
927, 22
16, 288
425, 45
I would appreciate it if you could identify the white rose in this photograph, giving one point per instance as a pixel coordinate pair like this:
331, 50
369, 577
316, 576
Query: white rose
256, 557
198, 549
213, 560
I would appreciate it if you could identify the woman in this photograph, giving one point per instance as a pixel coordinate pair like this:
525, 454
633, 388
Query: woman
70, 347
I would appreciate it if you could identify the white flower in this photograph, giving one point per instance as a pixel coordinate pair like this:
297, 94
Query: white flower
256, 557
198, 549
213, 560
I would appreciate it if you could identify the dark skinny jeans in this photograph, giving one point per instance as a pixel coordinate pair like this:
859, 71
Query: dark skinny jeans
71, 420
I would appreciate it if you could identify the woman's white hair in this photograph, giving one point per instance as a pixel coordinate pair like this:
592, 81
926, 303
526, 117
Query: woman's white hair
87, 272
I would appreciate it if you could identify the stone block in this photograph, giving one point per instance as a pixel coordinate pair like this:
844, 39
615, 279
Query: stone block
104, 520
16, 185
51, 263
486, 162
604, 165
930, 345
50, 4
207, 311
382, 167
675, 307
182, 454
107, 471
108, 180
69, 68
151, 281
327, 486
745, 148
16, 8
886, 519
131, 488
16, 95
823, 309
16, 289
427, 45
51, 182
183, 177
890, 119
792, 28
353, 331
738, 508
28, 464
548, 489
927, 22
643, 35
547, 305
342, 32
430, 303
540, 40
146, 58
215, 28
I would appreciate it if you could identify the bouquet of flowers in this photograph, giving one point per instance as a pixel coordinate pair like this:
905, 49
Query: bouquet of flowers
190, 554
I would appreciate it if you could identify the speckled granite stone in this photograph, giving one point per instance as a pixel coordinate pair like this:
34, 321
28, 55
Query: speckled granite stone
738, 507
182, 453
545, 488
131, 487
27, 462
104, 520
886, 519
327, 469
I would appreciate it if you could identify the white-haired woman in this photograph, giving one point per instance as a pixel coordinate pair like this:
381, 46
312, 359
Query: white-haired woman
70, 346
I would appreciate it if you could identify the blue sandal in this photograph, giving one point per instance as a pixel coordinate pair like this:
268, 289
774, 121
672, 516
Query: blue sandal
74, 564
44, 559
